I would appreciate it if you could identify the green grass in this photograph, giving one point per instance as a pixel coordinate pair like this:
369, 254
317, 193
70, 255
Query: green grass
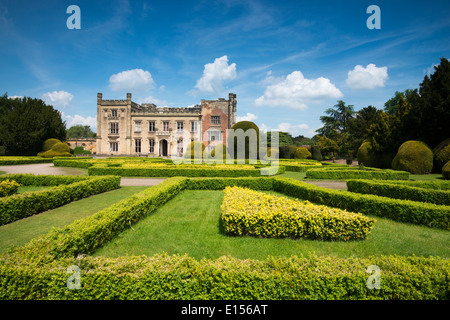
190, 223
20, 232
2, 172
431, 176
294, 175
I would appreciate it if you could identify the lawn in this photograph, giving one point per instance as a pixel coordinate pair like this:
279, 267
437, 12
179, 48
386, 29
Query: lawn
190, 223
20, 232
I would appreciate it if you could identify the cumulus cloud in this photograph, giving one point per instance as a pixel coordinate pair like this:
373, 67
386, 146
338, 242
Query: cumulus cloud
153, 100
247, 117
15, 97
295, 91
293, 129
215, 74
136, 80
60, 99
369, 77
78, 119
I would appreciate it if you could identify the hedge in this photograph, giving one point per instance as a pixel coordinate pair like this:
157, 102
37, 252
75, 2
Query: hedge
38, 270
26, 204
407, 211
8, 187
12, 160
181, 170
398, 191
252, 213
341, 173
433, 184
28, 179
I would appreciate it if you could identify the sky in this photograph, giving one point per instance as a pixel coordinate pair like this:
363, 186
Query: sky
287, 61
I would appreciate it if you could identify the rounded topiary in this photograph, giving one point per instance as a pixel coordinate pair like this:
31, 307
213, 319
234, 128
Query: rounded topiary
219, 151
367, 155
302, 153
193, 150
315, 153
415, 157
441, 154
272, 152
49, 143
250, 148
446, 171
52, 153
61, 147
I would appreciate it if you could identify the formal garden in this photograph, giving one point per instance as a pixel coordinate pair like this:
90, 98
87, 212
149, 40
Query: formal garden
305, 219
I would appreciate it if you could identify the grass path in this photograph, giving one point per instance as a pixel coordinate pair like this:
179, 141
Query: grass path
190, 223
20, 232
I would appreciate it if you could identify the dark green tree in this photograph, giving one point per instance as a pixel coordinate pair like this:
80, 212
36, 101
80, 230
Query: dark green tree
26, 123
358, 126
80, 131
337, 119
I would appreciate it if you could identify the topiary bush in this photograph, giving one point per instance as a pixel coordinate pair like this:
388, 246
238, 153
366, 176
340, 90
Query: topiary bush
219, 151
446, 171
415, 157
302, 153
54, 148
250, 148
193, 150
315, 153
370, 158
49, 143
441, 155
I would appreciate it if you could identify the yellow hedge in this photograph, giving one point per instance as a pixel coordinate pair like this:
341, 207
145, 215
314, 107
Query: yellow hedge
248, 212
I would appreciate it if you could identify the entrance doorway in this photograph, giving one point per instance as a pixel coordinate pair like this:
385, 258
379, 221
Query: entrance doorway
163, 148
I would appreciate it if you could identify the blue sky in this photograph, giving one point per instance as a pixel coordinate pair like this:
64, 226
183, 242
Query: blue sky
287, 61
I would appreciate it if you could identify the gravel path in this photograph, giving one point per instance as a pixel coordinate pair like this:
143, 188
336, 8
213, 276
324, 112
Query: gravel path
339, 185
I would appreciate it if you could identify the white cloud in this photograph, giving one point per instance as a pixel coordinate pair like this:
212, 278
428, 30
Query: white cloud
215, 74
77, 119
295, 91
431, 70
15, 97
153, 100
369, 77
60, 99
293, 129
136, 80
247, 117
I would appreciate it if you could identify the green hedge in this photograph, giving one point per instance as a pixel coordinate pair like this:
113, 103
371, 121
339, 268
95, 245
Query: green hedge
12, 160
432, 184
398, 191
252, 213
26, 204
164, 277
79, 163
8, 187
428, 214
38, 270
28, 179
342, 173
172, 171
255, 183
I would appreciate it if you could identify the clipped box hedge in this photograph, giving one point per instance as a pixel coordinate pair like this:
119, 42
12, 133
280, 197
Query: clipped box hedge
14, 160
350, 173
8, 187
177, 170
26, 204
434, 184
38, 270
399, 191
407, 211
248, 212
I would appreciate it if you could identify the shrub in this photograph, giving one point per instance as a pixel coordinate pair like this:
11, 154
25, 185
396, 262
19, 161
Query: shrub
398, 191
24, 205
441, 154
61, 147
427, 214
414, 157
8, 187
52, 154
78, 150
315, 153
370, 158
49, 143
302, 153
219, 152
250, 148
247, 212
287, 152
333, 173
11, 160
193, 150
446, 171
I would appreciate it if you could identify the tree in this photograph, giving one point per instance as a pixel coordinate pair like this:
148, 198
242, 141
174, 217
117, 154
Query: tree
327, 145
26, 123
284, 138
358, 126
336, 120
80, 131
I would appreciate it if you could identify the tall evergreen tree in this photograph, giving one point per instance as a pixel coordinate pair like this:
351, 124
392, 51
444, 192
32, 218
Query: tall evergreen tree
26, 123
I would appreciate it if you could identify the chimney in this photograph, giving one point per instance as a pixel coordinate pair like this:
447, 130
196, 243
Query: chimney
99, 96
129, 96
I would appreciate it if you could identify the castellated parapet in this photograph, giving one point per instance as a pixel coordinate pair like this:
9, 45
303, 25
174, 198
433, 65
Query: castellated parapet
125, 128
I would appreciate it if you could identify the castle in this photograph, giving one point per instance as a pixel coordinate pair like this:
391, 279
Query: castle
126, 128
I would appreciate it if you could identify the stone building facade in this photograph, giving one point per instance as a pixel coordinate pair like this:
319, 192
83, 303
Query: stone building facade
129, 129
